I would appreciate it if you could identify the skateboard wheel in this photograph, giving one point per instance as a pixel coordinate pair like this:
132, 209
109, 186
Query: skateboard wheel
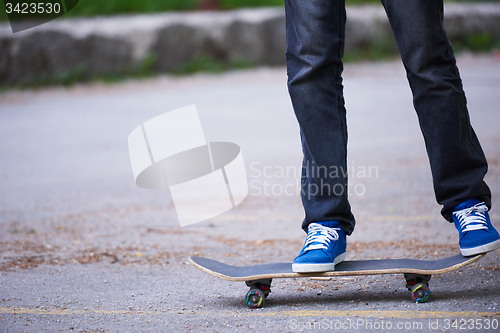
420, 293
255, 298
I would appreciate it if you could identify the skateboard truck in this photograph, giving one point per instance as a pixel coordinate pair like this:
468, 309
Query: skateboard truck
418, 284
259, 289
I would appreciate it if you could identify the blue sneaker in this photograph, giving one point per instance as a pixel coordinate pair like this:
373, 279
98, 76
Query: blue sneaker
324, 248
475, 231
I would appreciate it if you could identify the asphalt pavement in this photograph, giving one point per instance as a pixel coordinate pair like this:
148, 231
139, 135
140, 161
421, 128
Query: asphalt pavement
83, 249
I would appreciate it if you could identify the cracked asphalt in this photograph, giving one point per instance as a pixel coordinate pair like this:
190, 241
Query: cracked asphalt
83, 249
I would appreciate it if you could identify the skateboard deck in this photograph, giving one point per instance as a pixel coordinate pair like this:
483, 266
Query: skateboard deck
259, 277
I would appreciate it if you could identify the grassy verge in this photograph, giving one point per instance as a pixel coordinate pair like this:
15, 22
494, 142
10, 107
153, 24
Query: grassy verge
378, 51
79, 75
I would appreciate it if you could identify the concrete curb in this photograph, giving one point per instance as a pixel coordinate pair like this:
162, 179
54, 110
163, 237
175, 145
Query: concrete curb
110, 45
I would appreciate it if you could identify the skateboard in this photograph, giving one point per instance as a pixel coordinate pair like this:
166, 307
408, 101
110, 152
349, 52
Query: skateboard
417, 273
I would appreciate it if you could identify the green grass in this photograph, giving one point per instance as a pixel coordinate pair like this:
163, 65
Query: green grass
477, 42
207, 64
110, 7
377, 50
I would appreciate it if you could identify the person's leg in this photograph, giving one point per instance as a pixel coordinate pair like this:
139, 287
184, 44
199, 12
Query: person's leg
315, 45
457, 161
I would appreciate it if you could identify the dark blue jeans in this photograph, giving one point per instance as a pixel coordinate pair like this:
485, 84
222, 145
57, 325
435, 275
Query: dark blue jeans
315, 45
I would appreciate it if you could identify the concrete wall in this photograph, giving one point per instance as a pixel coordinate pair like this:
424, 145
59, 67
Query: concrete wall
119, 44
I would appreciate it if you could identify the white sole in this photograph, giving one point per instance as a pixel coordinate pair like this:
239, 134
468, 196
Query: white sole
318, 268
481, 249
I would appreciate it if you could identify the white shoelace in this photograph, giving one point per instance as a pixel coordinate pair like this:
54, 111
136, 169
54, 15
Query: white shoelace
319, 237
469, 222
